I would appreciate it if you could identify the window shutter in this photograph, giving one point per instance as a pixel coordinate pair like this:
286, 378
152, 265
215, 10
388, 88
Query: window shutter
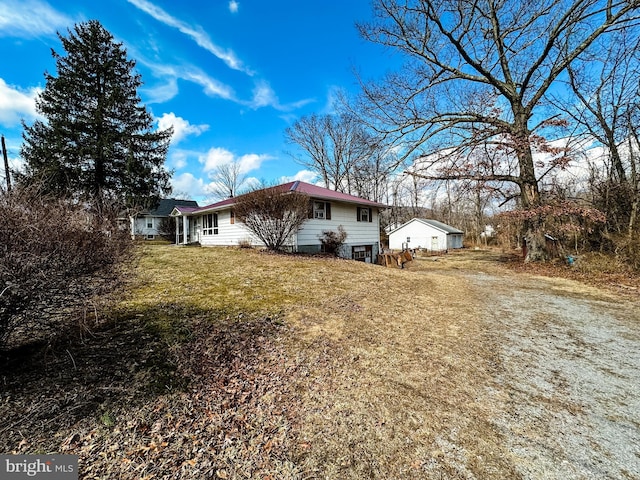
310, 211
358, 214
328, 210
370, 215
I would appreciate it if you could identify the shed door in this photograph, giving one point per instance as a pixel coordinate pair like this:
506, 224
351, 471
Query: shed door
434, 243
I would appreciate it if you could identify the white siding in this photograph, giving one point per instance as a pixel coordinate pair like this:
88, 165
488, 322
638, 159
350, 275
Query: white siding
229, 234
140, 226
358, 233
420, 236
454, 240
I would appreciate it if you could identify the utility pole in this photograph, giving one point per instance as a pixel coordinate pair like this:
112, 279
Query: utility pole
6, 164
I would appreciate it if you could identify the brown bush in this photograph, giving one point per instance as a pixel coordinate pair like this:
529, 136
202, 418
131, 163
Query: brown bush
272, 214
332, 241
627, 251
54, 256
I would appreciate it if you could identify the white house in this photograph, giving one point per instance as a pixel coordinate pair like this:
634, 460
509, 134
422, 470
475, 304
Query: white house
216, 224
146, 223
425, 234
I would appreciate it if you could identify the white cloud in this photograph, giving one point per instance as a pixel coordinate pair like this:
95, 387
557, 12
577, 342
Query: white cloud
212, 87
215, 157
333, 98
252, 161
233, 6
181, 127
186, 182
303, 175
264, 96
179, 159
190, 73
16, 104
196, 33
30, 19
221, 156
162, 93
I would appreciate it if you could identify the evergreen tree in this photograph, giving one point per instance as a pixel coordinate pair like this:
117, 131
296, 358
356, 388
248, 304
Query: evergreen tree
96, 141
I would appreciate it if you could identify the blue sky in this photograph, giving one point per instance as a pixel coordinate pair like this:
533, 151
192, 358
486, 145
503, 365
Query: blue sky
230, 76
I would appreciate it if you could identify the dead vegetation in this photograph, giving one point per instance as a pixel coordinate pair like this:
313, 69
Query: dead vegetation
232, 363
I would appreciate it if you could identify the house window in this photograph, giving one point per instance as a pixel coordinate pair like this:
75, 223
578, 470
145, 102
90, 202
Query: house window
322, 210
318, 210
149, 222
364, 214
408, 239
232, 217
210, 224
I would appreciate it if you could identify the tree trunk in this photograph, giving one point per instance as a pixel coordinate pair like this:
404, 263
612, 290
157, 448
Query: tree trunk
529, 193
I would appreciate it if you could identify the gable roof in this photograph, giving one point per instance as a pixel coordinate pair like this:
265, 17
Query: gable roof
166, 205
313, 191
443, 227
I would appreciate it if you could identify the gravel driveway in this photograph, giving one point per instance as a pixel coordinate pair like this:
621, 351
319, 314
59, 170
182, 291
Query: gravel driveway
567, 395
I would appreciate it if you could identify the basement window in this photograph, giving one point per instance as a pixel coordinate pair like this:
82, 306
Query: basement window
362, 253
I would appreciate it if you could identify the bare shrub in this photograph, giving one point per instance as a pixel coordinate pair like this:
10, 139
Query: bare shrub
627, 251
244, 243
167, 229
54, 256
332, 241
272, 214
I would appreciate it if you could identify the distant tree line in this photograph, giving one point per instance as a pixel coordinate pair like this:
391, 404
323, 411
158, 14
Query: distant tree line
485, 90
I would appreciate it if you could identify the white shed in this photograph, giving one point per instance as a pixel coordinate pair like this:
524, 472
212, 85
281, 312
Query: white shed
425, 234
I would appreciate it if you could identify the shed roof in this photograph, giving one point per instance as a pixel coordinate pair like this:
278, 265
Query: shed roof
448, 229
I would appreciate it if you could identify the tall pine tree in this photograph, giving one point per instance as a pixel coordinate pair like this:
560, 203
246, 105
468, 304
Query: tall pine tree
96, 141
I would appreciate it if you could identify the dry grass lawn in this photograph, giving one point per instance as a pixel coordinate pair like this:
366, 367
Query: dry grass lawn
234, 363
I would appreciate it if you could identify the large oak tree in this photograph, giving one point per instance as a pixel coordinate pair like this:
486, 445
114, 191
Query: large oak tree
96, 141
479, 72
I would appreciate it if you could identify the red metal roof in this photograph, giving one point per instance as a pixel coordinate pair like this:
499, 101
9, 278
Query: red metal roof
297, 186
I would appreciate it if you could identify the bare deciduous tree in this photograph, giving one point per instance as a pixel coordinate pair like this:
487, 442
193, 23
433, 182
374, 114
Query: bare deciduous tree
480, 72
340, 150
606, 108
228, 179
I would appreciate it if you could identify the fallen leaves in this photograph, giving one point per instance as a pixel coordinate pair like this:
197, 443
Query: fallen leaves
230, 419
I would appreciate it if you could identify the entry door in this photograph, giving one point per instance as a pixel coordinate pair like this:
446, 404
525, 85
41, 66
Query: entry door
434, 243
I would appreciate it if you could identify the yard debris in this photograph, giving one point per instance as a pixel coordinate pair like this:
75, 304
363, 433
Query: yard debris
391, 259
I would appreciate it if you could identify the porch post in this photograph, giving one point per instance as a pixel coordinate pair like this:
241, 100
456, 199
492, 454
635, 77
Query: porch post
185, 228
177, 231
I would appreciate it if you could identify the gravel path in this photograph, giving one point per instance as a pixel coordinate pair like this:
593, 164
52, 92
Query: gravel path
567, 398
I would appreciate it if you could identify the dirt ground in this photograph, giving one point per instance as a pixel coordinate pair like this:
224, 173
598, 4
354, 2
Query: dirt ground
228, 363
566, 394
